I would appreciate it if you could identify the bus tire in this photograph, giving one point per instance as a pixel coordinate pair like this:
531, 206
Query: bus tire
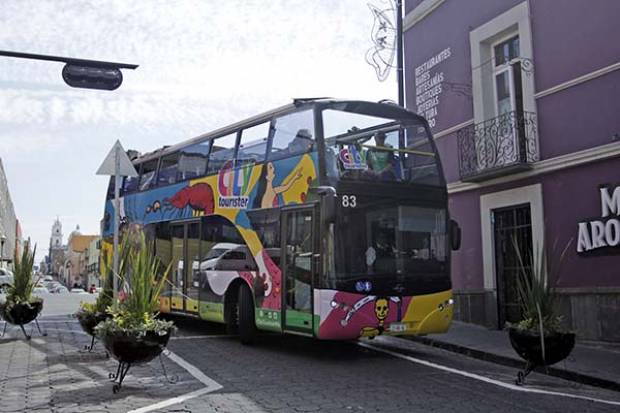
232, 312
247, 323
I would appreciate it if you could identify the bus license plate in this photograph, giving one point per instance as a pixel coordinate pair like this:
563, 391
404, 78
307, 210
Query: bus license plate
398, 327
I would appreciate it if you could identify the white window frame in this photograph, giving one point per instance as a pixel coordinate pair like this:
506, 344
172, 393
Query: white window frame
515, 21
506, 67
531, 195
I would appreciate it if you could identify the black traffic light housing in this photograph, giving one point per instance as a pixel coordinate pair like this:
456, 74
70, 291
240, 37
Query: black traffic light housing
82, 73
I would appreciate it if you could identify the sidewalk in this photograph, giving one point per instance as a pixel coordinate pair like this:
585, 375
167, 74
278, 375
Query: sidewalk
54, 373
587, 364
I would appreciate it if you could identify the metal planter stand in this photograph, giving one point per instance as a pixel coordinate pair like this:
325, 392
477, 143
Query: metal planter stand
130, 350
528, 345
22, 314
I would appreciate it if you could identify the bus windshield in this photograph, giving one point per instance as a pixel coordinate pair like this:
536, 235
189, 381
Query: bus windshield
371, 148
381, 240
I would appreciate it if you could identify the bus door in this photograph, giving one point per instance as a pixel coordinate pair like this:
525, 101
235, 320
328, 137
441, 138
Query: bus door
185, 266
300, 263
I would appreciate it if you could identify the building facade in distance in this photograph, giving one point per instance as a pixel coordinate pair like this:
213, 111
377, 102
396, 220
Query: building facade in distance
8, 222
522, 99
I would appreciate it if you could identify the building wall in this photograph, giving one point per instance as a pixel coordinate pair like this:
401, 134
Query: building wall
8, 220
573, 80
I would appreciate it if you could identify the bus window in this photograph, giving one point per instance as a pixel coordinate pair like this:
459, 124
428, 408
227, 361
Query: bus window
193, 161
147, 174
110, 194
293, 135
130, 184
253, 144
168, 169
222, 150
420, 165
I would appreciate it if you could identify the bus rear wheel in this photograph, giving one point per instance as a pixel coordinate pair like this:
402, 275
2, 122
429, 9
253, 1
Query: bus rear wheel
247, 323
232, 313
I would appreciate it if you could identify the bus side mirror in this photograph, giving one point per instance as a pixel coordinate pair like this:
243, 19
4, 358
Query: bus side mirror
328, 207
328, 202
455, 235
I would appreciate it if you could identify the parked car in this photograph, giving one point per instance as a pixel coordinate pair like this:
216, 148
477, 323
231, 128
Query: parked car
48, 278
6, 278
227, 256
40, 290
60, 289
78, 291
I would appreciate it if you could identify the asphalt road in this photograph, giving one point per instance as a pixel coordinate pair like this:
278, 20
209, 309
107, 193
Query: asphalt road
295, 374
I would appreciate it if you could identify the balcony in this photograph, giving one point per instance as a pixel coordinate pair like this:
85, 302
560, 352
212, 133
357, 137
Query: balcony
499, 146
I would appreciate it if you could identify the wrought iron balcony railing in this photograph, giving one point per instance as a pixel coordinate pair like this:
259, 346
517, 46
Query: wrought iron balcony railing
498, 146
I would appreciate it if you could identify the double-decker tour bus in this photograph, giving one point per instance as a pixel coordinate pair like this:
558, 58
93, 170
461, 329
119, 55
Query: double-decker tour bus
326, 218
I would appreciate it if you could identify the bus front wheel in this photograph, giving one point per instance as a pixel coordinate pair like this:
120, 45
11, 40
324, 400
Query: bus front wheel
247, 323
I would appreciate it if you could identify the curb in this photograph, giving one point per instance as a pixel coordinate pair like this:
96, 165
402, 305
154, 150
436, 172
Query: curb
518, 363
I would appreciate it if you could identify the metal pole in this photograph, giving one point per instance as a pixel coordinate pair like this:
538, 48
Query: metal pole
399, 53
68, 60
117, 184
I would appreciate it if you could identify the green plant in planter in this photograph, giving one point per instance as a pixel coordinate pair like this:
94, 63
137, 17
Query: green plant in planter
540, 337
104, 300
136, 313
23, 283
537, 300
91, 314
21, 307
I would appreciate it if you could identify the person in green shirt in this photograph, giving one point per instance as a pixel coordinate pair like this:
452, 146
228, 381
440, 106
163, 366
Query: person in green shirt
381, 162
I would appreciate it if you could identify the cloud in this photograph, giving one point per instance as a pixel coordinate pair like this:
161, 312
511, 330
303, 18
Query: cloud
203, 65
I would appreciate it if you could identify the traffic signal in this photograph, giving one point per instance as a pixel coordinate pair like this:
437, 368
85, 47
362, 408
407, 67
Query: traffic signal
92, 77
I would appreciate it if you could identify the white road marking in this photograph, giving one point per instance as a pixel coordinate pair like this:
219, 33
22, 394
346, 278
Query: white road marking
485, 379
201, 336
210, 386
174, 400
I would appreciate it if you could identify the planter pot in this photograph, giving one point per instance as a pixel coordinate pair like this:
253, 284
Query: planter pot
130, 349
527, 345
88, 321
22, 313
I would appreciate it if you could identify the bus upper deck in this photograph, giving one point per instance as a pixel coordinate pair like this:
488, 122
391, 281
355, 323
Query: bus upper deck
338, 204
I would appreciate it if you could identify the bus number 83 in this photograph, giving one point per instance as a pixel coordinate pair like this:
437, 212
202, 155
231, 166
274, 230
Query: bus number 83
349, 201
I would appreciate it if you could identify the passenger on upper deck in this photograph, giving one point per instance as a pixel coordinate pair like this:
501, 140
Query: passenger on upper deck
302, 142
380, 161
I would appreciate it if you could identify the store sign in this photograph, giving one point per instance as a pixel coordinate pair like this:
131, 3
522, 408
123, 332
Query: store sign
428, 85
603, 232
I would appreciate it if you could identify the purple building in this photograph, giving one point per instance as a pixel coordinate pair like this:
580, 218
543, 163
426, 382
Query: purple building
523, 98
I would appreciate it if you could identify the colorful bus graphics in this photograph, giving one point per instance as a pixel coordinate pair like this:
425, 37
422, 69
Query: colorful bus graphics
258, 230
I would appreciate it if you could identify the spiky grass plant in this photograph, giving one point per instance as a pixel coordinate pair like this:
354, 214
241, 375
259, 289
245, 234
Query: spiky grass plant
23, 282
537, 300
143, 281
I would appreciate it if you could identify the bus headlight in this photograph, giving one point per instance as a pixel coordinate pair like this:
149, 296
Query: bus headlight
445, 304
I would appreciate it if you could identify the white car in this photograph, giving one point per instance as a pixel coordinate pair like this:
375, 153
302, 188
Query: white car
78, 291
6, 278
40, 290
60, 289
228, 256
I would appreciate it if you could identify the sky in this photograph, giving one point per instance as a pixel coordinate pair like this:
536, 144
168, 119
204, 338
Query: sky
203, 64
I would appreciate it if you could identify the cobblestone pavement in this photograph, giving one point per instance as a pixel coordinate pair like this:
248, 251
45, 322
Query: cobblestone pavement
295, 374
278, 374
55, 374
